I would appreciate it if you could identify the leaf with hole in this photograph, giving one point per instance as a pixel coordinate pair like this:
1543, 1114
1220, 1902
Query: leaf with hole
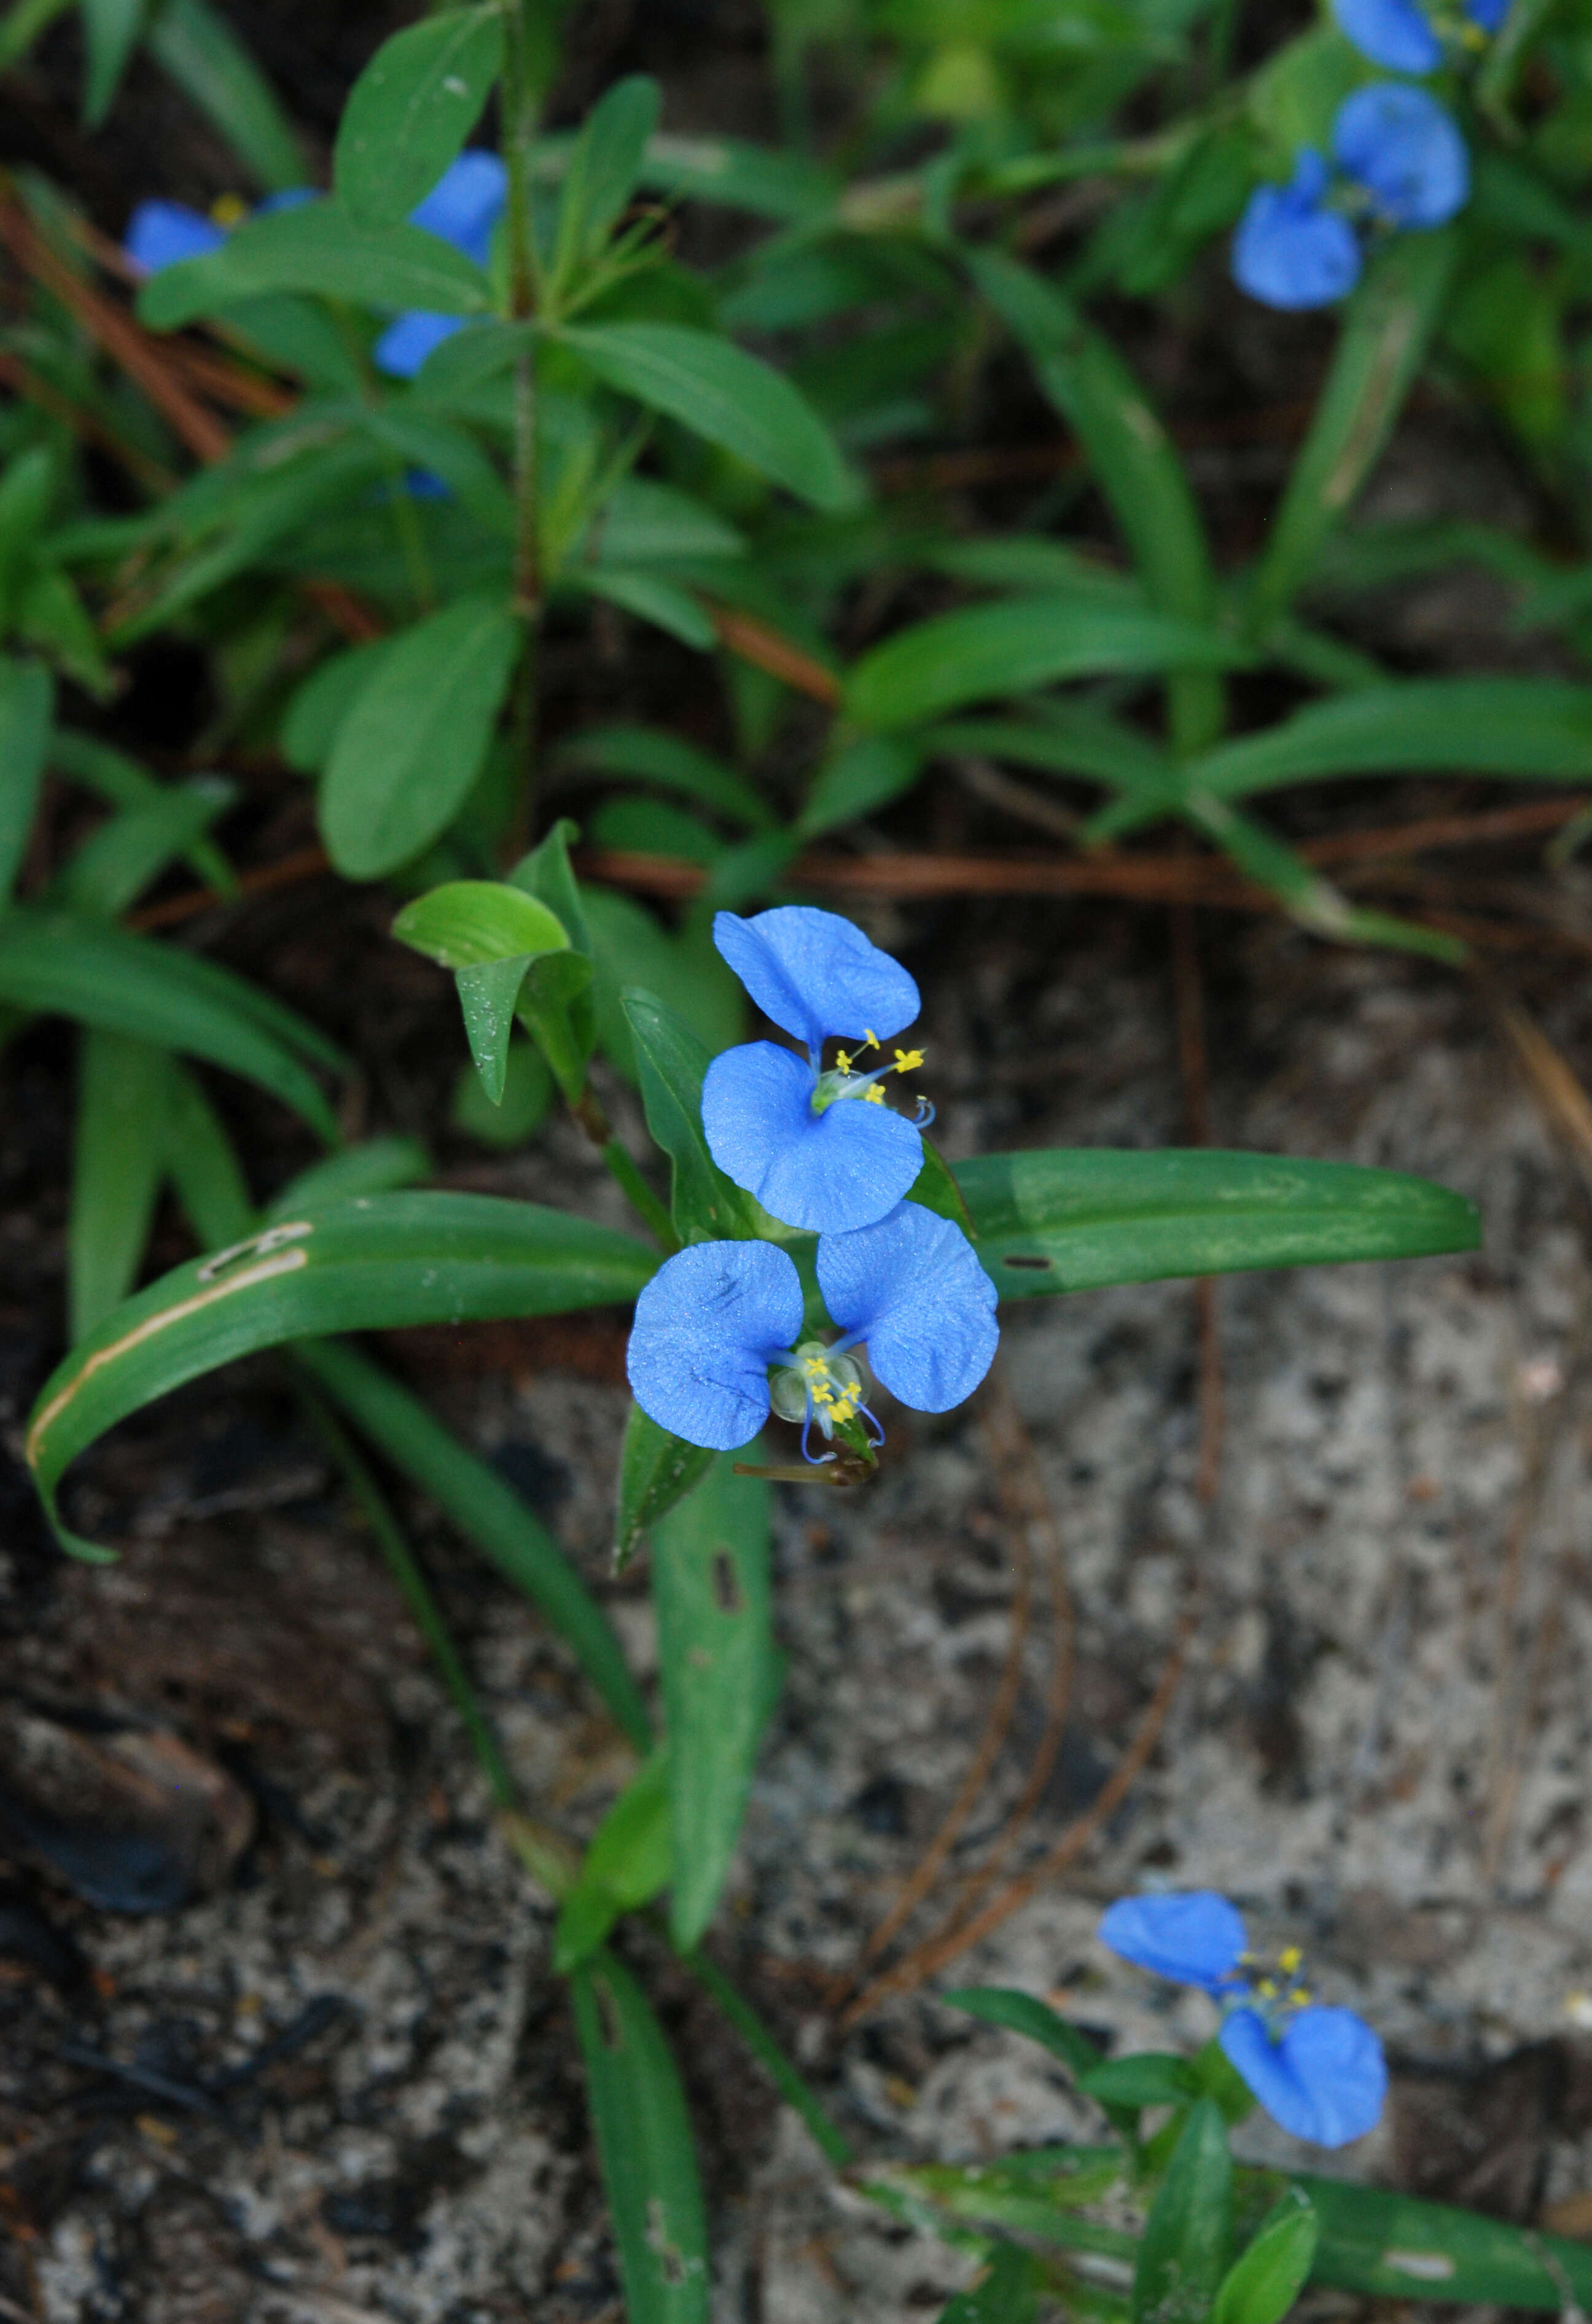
720, 1675
1070, 1220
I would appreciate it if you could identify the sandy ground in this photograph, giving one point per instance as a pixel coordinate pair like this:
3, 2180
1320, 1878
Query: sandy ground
342, 2084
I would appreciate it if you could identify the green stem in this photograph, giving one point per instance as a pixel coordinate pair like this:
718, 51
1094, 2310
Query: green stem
764, 2048
416, 1590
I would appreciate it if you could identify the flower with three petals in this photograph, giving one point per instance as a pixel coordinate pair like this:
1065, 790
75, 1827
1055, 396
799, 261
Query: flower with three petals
718, 1317
1318, 2072
818, 1148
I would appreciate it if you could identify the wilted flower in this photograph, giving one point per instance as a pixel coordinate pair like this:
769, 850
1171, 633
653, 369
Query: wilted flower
1319, 2072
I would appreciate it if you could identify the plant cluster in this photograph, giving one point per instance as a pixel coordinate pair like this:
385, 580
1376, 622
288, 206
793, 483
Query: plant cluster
374, 440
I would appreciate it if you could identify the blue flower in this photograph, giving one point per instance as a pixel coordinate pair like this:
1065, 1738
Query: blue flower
779, 1124
1401, 145
463, 207
1401, 35
163, 234
912, 1287
1319, 2072
1292, 251
717, 1317
708, 1326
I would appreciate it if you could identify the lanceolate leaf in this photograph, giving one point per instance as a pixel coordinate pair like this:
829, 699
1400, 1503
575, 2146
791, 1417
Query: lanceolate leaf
645, 2146
205, 58
710, 1585
713, 387
375, 1262
113, 27
26, 703
411, 109
317, 246
1390, 320
1007, 2292
410, 748
1015, 646
1395, 2247
670, 1064
123, 1090
1184, 2253
1533, 727
78, 967
1024, 2013
1265, 2281
1070, 1221
656, 1469
626, 1866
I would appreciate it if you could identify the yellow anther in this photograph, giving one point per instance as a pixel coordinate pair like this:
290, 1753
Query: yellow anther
874, 1096
1267, 1989
870, 1038
1301, 1996
907, 1061
1289, 1959
229, 211
820, 1392
816, 1367
842, 1061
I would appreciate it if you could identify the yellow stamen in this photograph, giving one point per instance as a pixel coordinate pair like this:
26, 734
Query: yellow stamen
907, 1061
1301, 1996
870, 1038
842, 1061
1266, 1989
229, 211
846, 1410
1289, 1959
874, 1096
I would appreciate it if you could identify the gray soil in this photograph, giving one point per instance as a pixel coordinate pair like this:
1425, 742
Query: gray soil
341, 2084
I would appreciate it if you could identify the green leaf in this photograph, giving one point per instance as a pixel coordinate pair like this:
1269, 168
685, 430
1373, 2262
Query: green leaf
409, 750
601, 177
528, 1094
466, 922
652, 597
1389, 323
645, 2147
1037, 2193
720, 1674
1150, 2078
936, 1190
1070, 1221
1184, 2251
203, 1165
555, 1006
111, 28
1023, 2013
713, 388
1536, 728
488, 1512
210, 63
1013, 647
650, 755
1395, 2247
1130, 454
546, 874
1072, 741
656, 1469
1008, 2291
740, 175
119, 1149
378, 1166
315, 246
656, 827
123, 782
318, 706
1265, 2281
366, 1265
627, 1865
670, 1064
410, 110
114, 865
27, 703
70, 964
866, 774
27, 488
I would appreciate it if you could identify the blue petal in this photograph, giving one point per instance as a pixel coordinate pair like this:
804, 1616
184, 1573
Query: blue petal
913, 1289
815, 973
163, 234
1325, 2080
1288, 251
826, 1171
465, 204
1197, 1938
706, 1328
404, 346
1391, 33
1488, 14
1406, 150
